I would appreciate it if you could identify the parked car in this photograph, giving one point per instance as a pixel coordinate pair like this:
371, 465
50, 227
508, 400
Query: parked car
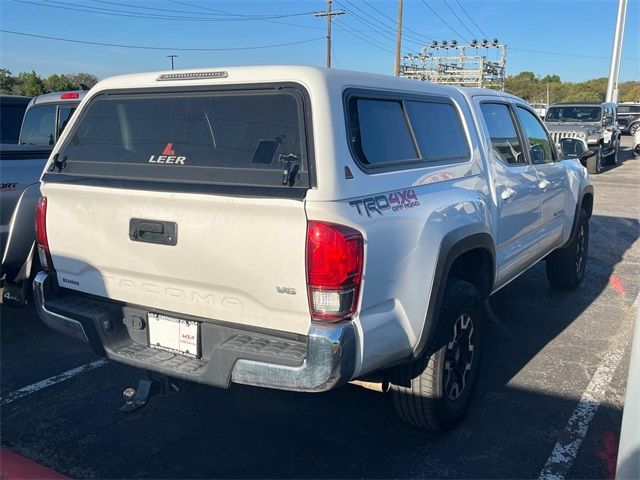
628, 117
21, 166
12, 109
45, 119
540, 109
593, 124
298, 228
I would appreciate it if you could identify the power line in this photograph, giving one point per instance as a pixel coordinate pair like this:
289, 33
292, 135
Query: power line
362, 36
562, 54
146, 47
392, 20
390, 33
444, 21
133, 14
386, 28
187, 4
459, 20
375, 29
471, 18
157, 9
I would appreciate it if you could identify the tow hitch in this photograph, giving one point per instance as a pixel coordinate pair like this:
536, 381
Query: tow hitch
154, 384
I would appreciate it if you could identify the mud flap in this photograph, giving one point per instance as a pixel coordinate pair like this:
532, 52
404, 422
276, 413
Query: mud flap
15, 294
16, 289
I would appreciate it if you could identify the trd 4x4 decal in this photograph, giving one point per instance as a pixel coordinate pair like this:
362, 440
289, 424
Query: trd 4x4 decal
394, 201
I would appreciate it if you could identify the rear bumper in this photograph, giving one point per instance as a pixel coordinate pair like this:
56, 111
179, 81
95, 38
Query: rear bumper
322, 360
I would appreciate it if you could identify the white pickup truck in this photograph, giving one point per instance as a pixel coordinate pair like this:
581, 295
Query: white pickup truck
299, 228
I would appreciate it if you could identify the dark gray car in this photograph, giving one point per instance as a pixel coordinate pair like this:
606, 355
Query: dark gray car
590, 126
45, 119
12, 108
629, 117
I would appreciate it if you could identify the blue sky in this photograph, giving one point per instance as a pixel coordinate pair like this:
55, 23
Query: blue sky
580, 30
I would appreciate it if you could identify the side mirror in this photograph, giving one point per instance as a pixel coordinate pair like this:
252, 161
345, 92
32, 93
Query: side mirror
587, 154
573, 148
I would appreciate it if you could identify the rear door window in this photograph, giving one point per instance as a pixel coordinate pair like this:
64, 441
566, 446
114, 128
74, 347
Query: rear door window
438, 131
39, 126
380, 132
241, 138
503, 133
389, 132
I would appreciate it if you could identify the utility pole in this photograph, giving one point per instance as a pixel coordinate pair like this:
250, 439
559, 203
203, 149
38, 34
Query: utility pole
616, 52
172, 57
398, 38
329, 14
547, 94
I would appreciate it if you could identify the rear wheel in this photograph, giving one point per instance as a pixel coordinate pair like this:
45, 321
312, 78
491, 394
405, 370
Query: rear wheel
634, 128
434, 392
566, 267
594, 164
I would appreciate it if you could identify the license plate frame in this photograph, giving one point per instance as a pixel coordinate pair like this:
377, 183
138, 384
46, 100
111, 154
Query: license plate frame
174, 335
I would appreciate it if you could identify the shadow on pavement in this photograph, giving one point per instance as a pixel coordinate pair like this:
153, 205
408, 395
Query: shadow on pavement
75, 428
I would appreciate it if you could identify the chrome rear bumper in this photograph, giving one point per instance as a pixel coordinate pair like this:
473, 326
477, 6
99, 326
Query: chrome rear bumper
329, 361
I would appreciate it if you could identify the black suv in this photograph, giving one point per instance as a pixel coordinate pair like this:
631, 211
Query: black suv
628, 117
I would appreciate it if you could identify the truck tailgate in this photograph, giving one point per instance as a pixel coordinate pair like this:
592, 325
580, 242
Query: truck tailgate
235, 259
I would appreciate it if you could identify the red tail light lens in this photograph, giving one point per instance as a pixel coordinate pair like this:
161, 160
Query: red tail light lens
69, 95
334, 270
41, 234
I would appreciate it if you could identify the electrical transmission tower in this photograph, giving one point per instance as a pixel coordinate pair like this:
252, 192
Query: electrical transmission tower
469, 65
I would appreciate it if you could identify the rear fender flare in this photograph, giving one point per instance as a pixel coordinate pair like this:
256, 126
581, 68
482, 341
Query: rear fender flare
454, 244
22, 234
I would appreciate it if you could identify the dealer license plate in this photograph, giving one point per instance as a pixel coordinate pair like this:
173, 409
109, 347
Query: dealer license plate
173, 335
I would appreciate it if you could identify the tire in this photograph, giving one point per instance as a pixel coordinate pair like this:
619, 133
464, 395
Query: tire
615, 156
612, 158
634, 128
566, 267
435, 391
594, 164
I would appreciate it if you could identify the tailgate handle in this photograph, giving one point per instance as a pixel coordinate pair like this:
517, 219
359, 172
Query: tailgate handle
153, 231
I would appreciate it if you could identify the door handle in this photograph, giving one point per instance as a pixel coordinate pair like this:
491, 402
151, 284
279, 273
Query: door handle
508, 194
544, 183
153, 231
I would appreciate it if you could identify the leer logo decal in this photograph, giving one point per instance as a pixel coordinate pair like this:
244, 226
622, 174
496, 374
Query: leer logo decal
394, 201
168, 157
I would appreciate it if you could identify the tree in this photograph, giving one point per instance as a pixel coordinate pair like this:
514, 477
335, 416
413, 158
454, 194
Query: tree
630, 92
551, 79
79, 79
59, 83
7, 81
30, 84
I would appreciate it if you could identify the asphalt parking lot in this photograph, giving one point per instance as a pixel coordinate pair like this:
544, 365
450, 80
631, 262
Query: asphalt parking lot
546, 351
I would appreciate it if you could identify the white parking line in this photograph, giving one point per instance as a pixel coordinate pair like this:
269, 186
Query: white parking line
565, 450
34, 387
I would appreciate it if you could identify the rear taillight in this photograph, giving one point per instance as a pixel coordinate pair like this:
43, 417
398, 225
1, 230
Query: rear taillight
334, 270
41, 234
69, 95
